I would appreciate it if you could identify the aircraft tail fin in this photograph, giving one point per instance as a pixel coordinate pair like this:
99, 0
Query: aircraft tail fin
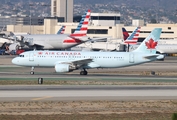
150, 43
82, 28
61, 30
133, 38
125, 33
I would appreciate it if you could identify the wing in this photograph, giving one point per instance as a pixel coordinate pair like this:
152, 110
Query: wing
78, 63
39, 44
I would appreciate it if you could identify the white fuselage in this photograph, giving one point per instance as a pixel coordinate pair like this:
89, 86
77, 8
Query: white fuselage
53, 41
170, 41
103, 46
161, 48
99, 59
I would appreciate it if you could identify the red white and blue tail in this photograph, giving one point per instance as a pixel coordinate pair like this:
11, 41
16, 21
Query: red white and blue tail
82, 28
133, 38
61, 30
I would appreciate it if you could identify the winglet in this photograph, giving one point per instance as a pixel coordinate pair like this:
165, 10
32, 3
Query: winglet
150, 43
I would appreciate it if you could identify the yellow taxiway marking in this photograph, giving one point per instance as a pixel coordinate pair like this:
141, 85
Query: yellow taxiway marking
42, 98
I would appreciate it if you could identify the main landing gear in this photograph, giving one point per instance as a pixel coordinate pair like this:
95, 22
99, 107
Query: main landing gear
32, 71
84, 72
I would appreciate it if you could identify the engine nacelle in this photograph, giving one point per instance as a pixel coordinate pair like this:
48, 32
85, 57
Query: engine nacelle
14, 46
63, 68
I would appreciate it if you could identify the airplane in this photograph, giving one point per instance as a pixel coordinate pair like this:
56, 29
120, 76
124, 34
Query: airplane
133, 38
54, 41
162, 41
11, 44
68, 61
3, 41
110, 45
161, 48
168, 41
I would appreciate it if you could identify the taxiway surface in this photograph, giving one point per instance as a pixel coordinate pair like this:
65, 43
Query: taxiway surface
87, 92
167, 68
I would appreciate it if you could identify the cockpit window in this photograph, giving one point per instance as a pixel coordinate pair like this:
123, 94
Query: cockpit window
21, 56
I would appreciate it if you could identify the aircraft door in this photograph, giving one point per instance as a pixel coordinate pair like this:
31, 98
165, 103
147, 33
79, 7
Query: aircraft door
131, 58
31, 57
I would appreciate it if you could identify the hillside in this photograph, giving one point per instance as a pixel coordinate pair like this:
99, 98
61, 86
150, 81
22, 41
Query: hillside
167, 4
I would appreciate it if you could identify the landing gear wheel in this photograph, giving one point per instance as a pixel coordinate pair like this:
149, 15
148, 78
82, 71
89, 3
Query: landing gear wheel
83, 73
32, 72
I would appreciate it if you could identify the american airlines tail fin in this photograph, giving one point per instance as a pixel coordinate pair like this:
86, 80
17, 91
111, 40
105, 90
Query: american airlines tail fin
125, 33
133, 38
61, 30
81, 29
150, 43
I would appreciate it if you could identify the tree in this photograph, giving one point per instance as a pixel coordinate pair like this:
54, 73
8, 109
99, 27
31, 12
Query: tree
153, 20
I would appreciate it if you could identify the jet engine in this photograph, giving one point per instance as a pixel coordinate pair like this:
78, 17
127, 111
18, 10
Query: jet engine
14, 46
64, 68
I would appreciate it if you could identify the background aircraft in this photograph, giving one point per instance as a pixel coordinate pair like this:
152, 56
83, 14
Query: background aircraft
161, 48
67, 61
55, 41
133, 38
111, 45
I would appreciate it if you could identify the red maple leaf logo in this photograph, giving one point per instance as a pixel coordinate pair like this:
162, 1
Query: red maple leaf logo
40, 53
151, 44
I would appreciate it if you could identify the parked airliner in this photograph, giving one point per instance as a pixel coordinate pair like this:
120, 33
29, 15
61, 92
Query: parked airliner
161, 48
55, 41
111, 45
133, 38
67, 61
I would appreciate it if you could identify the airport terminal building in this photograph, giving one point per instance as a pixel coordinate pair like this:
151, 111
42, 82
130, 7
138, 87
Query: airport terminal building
100, 24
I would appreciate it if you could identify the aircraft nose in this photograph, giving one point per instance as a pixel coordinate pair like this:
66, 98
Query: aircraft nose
15, 61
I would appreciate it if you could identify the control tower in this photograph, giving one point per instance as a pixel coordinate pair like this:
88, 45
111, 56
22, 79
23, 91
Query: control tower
62, 8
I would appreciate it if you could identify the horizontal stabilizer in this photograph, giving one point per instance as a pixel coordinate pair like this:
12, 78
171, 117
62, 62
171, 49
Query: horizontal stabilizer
151, 56
157, 56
